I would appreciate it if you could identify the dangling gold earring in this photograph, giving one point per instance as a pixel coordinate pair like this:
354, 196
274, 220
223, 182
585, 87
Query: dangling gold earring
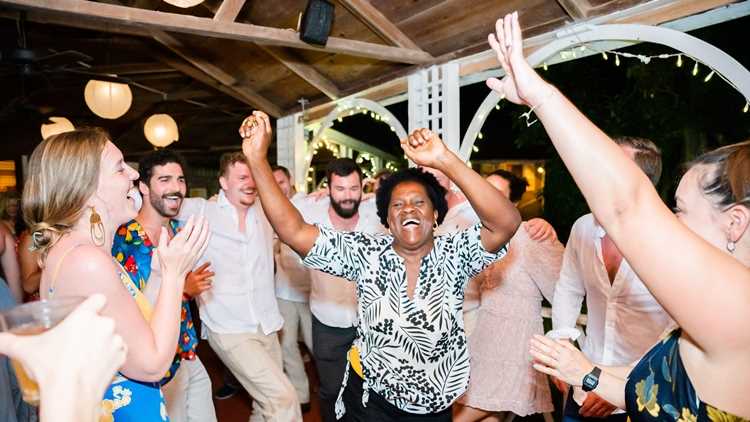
97, 228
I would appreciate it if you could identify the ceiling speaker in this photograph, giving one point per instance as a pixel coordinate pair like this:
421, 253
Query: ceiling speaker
317, 22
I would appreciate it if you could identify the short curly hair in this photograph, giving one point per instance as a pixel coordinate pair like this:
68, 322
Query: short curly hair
435, 192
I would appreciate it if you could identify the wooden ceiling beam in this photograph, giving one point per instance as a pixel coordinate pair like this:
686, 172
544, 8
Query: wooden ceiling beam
133, 69
576, 9
379, 23
215, 72
305, 71
229, 10
163, 21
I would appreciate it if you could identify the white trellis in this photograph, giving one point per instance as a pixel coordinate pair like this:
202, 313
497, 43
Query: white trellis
709, 55
434, 102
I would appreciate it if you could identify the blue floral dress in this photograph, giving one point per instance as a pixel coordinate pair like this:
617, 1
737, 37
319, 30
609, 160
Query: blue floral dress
659, 389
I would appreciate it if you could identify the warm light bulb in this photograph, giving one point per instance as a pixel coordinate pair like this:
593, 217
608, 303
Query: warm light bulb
617, 60
545, 66
695, 69
710, 75
747, 106
679, 60
480, 136
604, 55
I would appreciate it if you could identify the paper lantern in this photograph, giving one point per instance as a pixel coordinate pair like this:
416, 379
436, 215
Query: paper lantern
161, 130
108, 100
58, 125
184, 3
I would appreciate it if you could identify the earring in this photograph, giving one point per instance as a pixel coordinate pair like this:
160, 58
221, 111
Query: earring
97, 228
435, 225
731, 246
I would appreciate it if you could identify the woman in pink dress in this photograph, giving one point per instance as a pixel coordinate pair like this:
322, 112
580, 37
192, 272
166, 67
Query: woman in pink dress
502, 379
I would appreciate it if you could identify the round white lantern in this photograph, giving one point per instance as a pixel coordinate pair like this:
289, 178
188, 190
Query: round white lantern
184, 3
108, 100
58, 125
161, 130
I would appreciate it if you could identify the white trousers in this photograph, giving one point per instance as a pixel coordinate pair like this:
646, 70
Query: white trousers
188, 394
296, 318
255, 360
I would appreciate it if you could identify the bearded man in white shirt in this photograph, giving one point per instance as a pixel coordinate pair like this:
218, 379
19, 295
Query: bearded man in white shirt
624, 319
239, 313
333, 300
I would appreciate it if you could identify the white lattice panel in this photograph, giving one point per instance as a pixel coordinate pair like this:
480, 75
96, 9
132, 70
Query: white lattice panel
434, 102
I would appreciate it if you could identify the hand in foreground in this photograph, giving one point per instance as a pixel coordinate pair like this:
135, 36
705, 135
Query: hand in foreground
596, 407
540, 230
521, 84
256, 133
424, 148
179, 255
559, 359
198, 280
83, 352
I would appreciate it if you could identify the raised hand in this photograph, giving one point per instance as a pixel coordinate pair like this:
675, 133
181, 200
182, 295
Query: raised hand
256, 134
198, 280
559, 359
424, 148
179, 255
521, 84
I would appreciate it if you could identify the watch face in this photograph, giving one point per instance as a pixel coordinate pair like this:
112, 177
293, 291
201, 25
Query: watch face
589, 382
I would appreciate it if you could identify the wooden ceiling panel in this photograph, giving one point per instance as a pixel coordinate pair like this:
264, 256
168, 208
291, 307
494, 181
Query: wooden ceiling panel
287, 91
398, 11
451, 25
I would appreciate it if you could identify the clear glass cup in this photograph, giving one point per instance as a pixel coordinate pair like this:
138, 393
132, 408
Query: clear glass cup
35, 318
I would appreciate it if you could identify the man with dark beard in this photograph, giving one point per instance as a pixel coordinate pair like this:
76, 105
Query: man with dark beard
333, 300
187, 392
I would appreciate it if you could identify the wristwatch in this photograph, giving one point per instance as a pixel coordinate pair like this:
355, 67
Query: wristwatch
591, 380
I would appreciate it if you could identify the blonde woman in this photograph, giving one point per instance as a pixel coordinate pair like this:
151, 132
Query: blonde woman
79, 191
694, 261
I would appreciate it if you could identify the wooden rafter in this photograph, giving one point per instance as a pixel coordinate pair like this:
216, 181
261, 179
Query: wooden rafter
305, 71
229, 10
576, 9
217, 73
163, 21
379, 23
132, 69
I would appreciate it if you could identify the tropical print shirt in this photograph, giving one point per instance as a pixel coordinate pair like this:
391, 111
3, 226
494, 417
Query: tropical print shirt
659, 389
133, 250
413, 351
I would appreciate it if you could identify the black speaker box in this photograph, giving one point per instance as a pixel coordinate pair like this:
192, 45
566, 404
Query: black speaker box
316, 22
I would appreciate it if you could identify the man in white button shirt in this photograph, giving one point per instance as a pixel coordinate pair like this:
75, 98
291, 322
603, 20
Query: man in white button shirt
239, 313
624, 319
333, 300
293, 295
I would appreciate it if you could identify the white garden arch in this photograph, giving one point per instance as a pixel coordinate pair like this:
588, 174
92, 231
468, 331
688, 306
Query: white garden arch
699, 50
348, 108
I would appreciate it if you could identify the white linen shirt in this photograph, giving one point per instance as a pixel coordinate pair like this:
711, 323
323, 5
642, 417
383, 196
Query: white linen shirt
624, 319
333, 300
242, 298
292, 278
